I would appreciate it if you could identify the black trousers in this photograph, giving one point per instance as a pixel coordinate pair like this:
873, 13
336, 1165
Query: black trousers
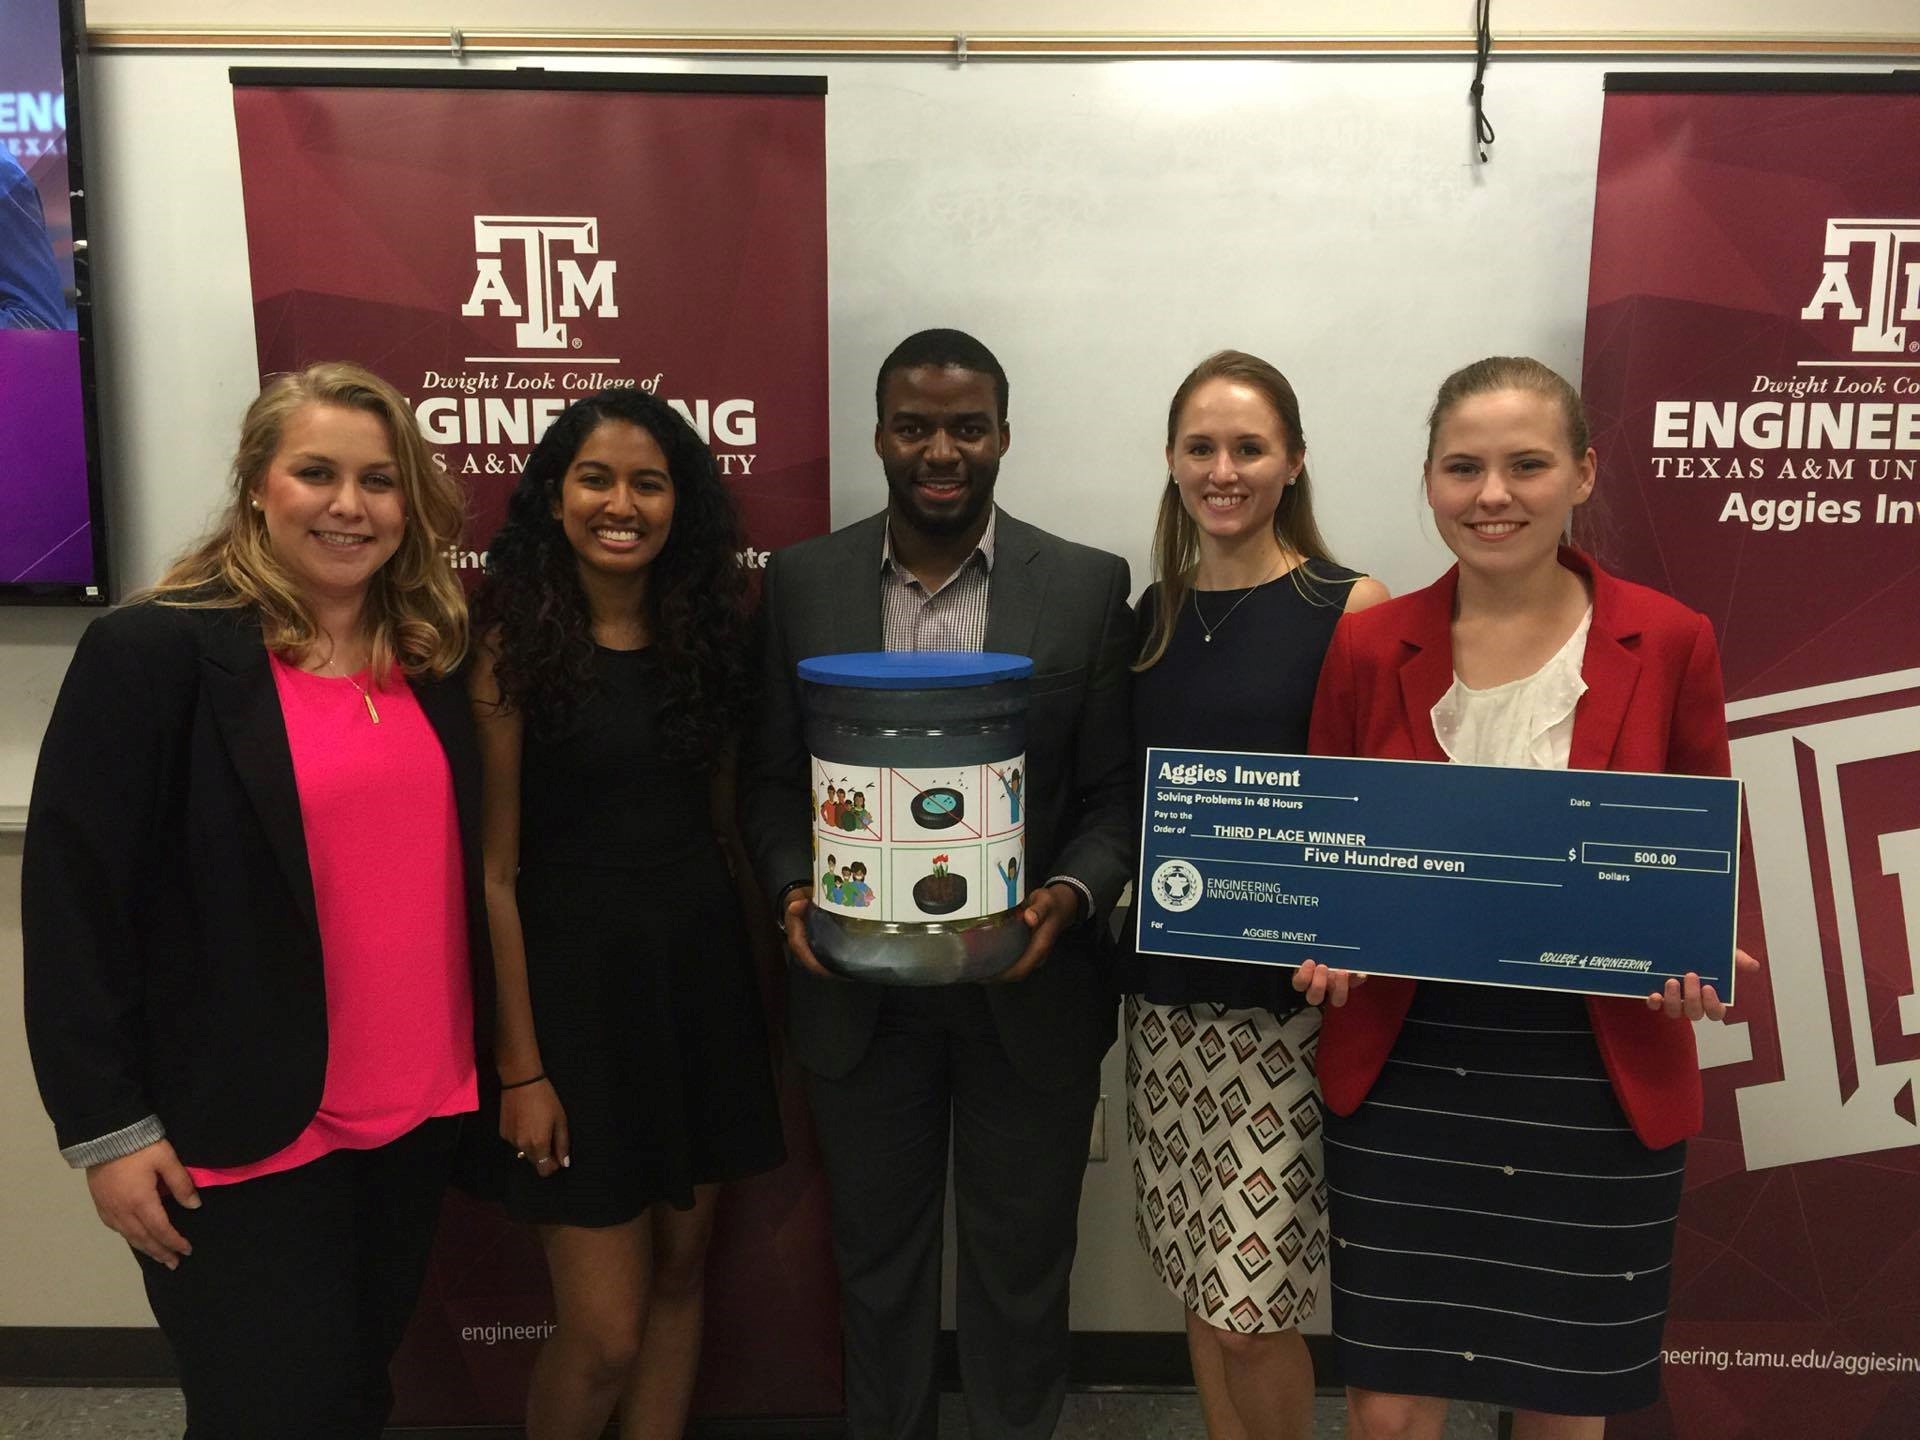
936, 1074
298, 1290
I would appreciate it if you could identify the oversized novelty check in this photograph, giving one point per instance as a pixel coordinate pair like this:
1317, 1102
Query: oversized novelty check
1595, 881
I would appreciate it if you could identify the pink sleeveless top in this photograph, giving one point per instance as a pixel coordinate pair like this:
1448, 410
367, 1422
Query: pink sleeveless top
383, 846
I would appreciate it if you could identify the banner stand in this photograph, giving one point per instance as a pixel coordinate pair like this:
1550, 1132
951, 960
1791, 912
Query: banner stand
498, 244
1752, 376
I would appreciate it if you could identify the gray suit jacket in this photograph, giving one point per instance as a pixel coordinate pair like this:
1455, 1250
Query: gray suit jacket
1063, 605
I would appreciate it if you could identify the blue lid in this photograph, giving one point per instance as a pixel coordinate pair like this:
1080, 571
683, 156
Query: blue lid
915, 669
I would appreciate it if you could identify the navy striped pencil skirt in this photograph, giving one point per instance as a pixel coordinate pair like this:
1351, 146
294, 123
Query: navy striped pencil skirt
1500, 1234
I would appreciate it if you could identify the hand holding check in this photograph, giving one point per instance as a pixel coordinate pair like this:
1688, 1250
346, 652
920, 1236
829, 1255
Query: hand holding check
1693, 1001
1322, 983
1689, 1000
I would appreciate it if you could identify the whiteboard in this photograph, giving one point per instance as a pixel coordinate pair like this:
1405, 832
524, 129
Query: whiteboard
1100, 225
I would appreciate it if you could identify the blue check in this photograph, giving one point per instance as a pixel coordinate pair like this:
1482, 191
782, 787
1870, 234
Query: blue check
1594, 881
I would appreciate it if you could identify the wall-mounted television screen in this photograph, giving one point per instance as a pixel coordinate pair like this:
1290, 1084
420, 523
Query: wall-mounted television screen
52, 541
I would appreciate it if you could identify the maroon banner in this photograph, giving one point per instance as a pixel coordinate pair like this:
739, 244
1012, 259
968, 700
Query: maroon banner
496, 246
1753, 373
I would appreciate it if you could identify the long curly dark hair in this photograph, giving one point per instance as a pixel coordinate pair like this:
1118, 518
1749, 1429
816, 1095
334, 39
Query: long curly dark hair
532, 610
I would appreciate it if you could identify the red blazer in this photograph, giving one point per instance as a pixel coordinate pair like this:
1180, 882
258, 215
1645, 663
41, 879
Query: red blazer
1653, 703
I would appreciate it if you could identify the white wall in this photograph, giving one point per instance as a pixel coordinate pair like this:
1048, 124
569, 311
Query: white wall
62, 1267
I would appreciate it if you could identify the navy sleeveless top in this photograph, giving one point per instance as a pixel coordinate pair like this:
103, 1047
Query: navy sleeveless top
1248, 688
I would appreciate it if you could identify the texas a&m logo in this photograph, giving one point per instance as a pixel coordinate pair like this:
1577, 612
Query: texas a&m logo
528, 268
1880, 261
1833, 800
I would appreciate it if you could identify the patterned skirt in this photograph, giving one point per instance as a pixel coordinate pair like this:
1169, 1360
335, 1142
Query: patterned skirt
1223, 1128
1500, 1233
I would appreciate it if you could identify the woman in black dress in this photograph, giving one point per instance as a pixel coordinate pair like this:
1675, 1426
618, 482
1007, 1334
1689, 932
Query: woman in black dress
1222, 1113
631, 1047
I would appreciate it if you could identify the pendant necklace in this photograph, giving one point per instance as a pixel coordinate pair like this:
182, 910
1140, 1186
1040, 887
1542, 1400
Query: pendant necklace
1206, 630
365, 697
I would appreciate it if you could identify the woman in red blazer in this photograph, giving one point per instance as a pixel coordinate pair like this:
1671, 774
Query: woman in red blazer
1506, 1165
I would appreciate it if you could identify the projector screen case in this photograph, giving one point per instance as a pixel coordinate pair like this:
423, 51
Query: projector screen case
53, 546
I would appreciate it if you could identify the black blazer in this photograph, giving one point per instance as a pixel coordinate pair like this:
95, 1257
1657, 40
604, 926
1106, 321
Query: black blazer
173, 960
1065, 606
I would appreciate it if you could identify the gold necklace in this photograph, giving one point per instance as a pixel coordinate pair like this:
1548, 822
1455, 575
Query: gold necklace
365, 698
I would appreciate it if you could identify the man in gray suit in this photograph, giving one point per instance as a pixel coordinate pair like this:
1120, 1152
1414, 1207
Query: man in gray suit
1007, 1072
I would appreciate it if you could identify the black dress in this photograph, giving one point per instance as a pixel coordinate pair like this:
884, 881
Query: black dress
644, 1000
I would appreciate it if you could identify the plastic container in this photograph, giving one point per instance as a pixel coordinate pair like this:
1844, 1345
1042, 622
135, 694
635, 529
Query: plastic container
918, 783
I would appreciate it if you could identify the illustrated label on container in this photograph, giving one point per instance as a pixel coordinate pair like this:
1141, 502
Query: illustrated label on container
920, 846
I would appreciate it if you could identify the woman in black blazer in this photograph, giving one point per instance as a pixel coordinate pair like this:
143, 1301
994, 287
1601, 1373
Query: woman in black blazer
253, 913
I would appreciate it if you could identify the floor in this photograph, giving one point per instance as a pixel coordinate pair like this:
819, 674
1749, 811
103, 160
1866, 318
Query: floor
51, 1413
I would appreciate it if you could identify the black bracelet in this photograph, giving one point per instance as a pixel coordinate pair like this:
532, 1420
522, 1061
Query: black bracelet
531, 1080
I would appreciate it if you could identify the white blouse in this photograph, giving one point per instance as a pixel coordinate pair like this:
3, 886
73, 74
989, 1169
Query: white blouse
1526, 722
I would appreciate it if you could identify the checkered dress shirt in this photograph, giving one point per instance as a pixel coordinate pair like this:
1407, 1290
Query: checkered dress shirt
951, 616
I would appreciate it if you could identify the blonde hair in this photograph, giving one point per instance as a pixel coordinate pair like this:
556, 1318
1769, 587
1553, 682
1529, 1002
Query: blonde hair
1176, 539
1510, 372
415, 615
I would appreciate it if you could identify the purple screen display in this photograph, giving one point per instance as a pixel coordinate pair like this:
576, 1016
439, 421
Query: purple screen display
46, 532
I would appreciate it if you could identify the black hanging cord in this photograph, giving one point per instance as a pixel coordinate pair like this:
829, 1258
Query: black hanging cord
1482, 52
